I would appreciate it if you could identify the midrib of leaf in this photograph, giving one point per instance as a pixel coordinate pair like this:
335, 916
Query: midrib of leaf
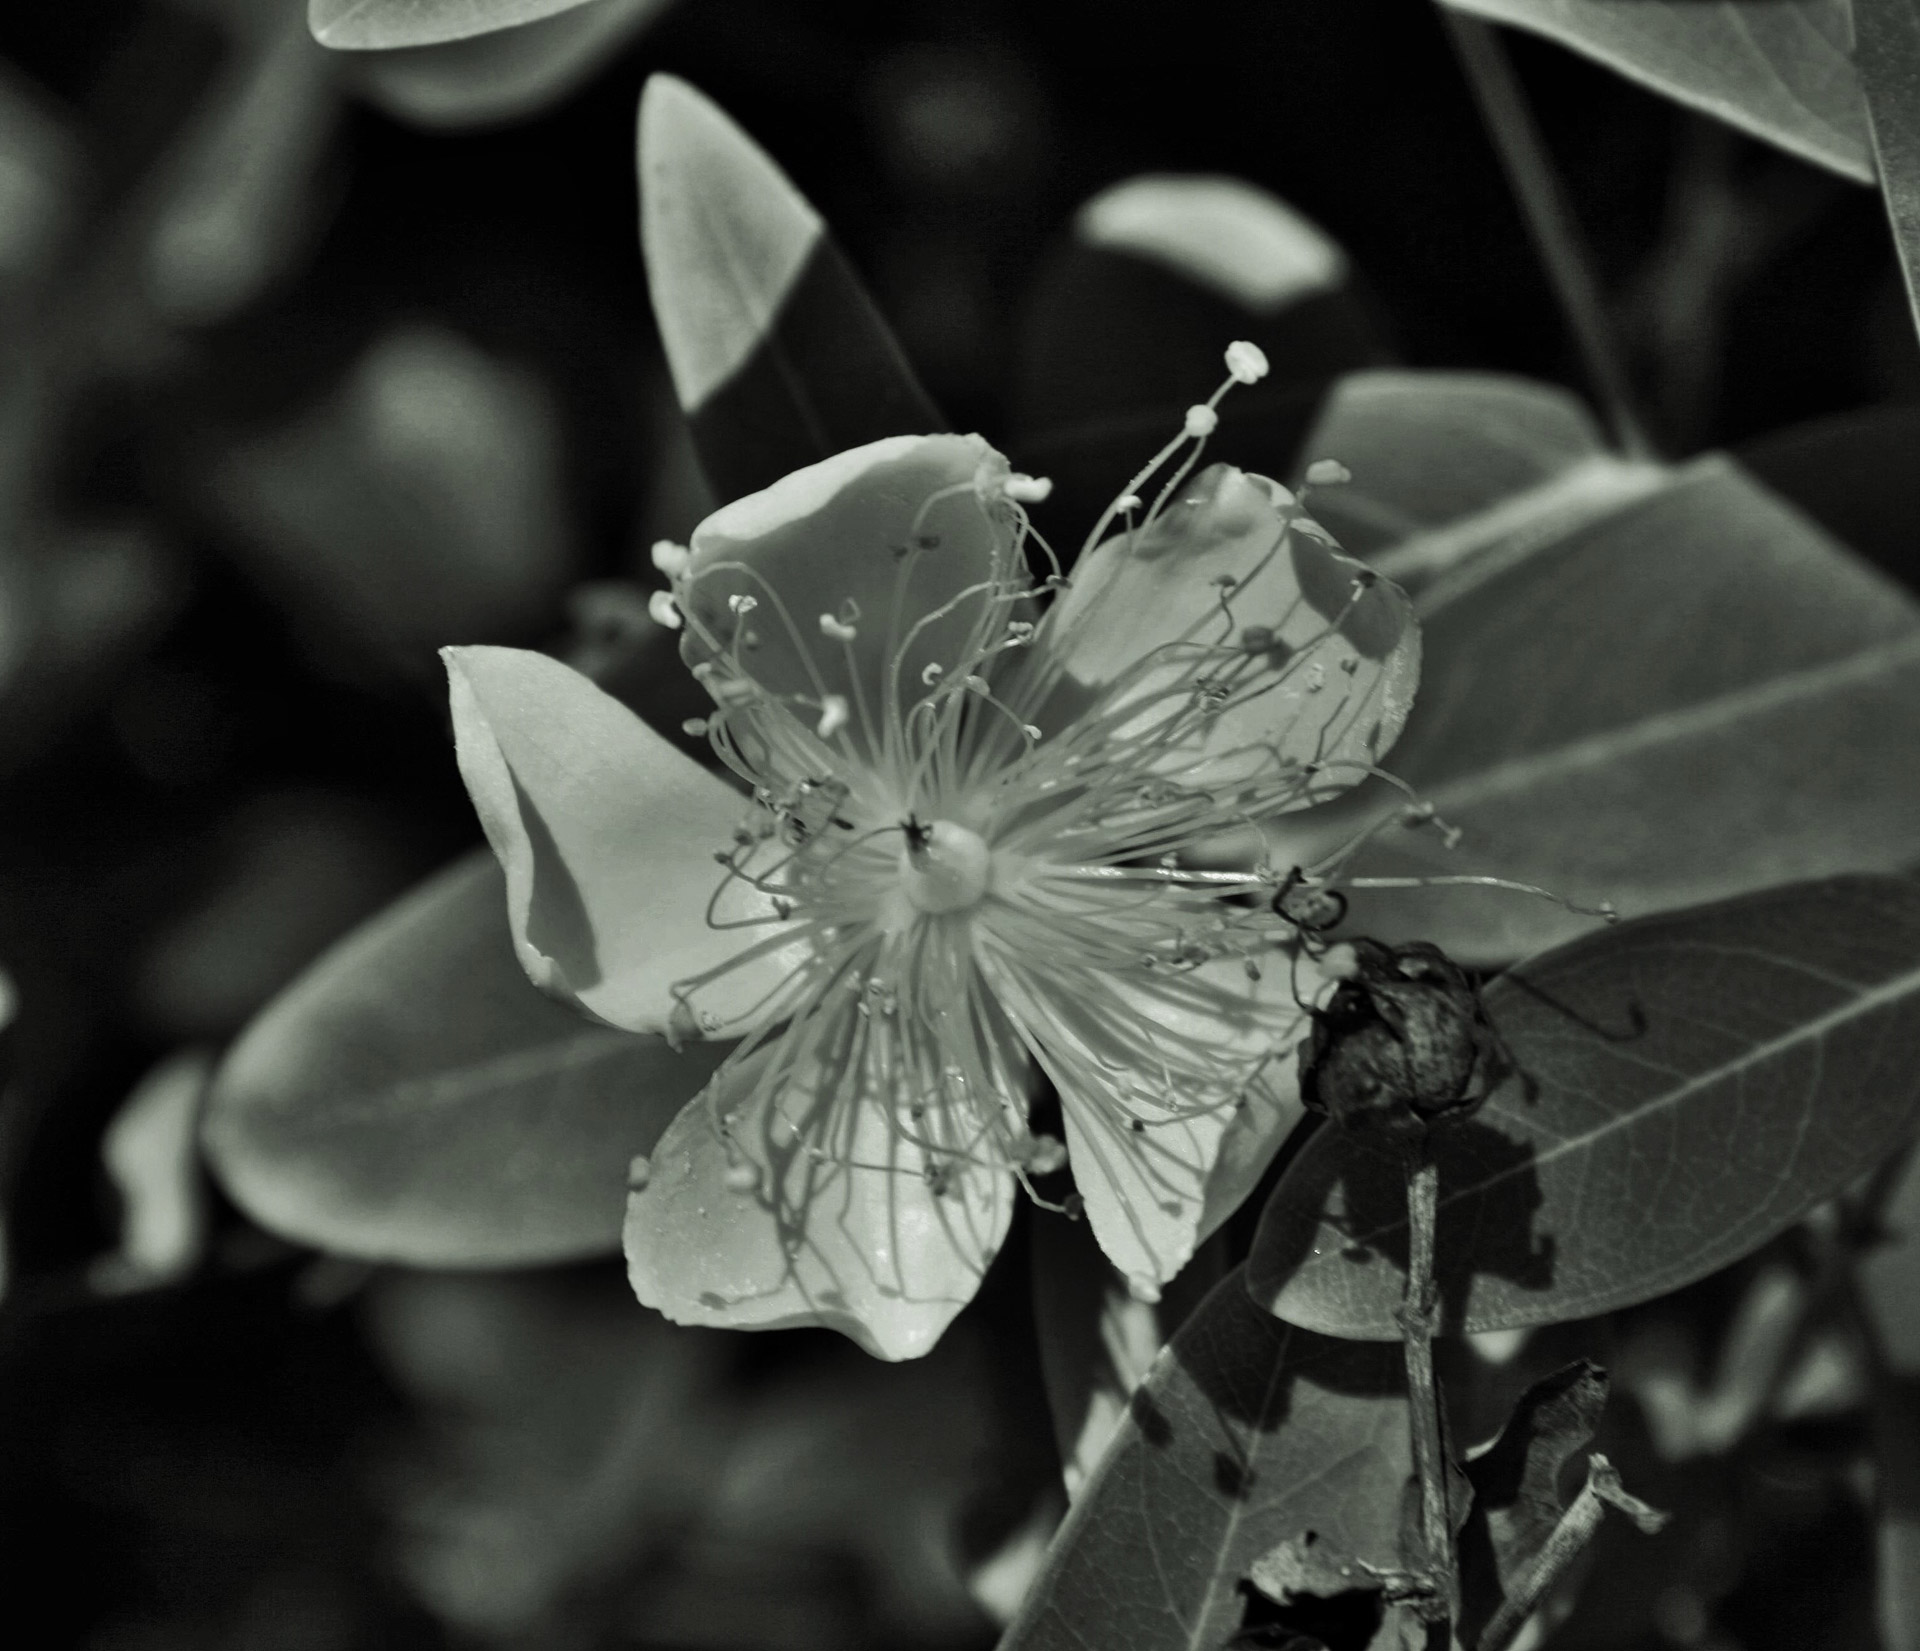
1516, 773
1815, 1029
572, 1053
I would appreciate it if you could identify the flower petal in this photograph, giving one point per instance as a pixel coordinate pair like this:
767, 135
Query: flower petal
859, 1242
608, 835
863, 538
1154, 1192
1233, 592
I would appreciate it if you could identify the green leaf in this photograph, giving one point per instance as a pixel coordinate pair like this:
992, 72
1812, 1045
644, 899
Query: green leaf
380, 25
1888, 1276
1689, 1085
412, 1098
1887, 51
1640, 686
1775, 68
492, 78
1248, 1433
777, 353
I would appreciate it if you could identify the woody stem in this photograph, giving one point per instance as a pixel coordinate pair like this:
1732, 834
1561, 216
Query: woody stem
1418, 1314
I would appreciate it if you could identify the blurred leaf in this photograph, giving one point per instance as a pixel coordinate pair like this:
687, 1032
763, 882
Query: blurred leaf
1888, 1276
41, 170
383, 24
1689, 1085
151, 1154
777, 353
1097, 1340
501, 77
1248, 1433
1778, 69
412, 1098
1643, 687
1126, 323
1887, 51
1517, 1494
420, 504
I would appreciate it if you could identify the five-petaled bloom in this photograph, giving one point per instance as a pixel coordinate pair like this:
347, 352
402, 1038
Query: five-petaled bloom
966, 861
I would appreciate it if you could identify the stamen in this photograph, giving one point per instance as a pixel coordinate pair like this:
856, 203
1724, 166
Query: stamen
1201, 421
1328, 473
663, 610
837, 630
833, 716
670, 558
1246, 361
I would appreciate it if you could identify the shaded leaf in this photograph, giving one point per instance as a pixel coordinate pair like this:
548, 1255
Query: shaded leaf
1643, 687
777, 353
1887, 51
151, 1154
500, 77
1517, 1494
1688, 1085
412, 1098
1889, 1282
1775, 68
1247, 1433
382, 24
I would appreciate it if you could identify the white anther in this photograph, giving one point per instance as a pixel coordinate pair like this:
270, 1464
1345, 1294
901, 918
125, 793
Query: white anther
978, 685
1202, 420
931, 673
1020, 630
1246, 361
837, 631
833, 716
664, 610
1031, 731
1027, 489
742, 603
1126, 503
669, 558
1327, 473
696, 726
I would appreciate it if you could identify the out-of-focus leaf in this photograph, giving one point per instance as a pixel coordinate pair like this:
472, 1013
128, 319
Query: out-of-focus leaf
40, 175
1126, 323
1688, 1085
1097, 1340
412, 1098
1517, 1494
1776, 68
358, 25
1887, 53
151, 1151
778, 355
238, 194
1643, 687
1889, 1283
420, 505
1248, 1433
491, 78
1428, 450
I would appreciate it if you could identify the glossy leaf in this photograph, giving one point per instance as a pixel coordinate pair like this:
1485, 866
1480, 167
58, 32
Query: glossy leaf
778, 355
1247, 1433
412, 1098
1689, 1085
1887, 50
360, 25
1778, 69
1644, 687
491, 78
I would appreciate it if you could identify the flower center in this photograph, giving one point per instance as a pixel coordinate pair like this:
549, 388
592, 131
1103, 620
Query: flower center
944, 867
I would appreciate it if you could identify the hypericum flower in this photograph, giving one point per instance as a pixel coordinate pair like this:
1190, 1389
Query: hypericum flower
960, 865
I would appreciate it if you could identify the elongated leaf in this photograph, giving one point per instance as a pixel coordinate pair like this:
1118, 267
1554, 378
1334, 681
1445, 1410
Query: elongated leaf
1776, 68
412, 1098
778, 355
1644, 687
1887, 50
359, 25
1690, 1085
1248, 1433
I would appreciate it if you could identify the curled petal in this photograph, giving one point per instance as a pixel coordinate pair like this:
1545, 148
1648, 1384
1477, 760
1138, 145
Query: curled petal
771, 1205
608, 836
1234, 645
903, 546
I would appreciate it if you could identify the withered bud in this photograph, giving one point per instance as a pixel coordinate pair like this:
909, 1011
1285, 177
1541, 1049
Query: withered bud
1403, 1042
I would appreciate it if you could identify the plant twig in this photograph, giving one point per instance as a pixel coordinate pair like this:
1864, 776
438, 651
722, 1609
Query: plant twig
1418, 1314
1550, 222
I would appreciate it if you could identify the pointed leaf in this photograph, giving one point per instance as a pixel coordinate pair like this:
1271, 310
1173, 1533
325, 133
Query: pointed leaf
778, 355
412, 1098
359, 25
1775, 68
1644, 687
1247, 1433
1688, 1086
